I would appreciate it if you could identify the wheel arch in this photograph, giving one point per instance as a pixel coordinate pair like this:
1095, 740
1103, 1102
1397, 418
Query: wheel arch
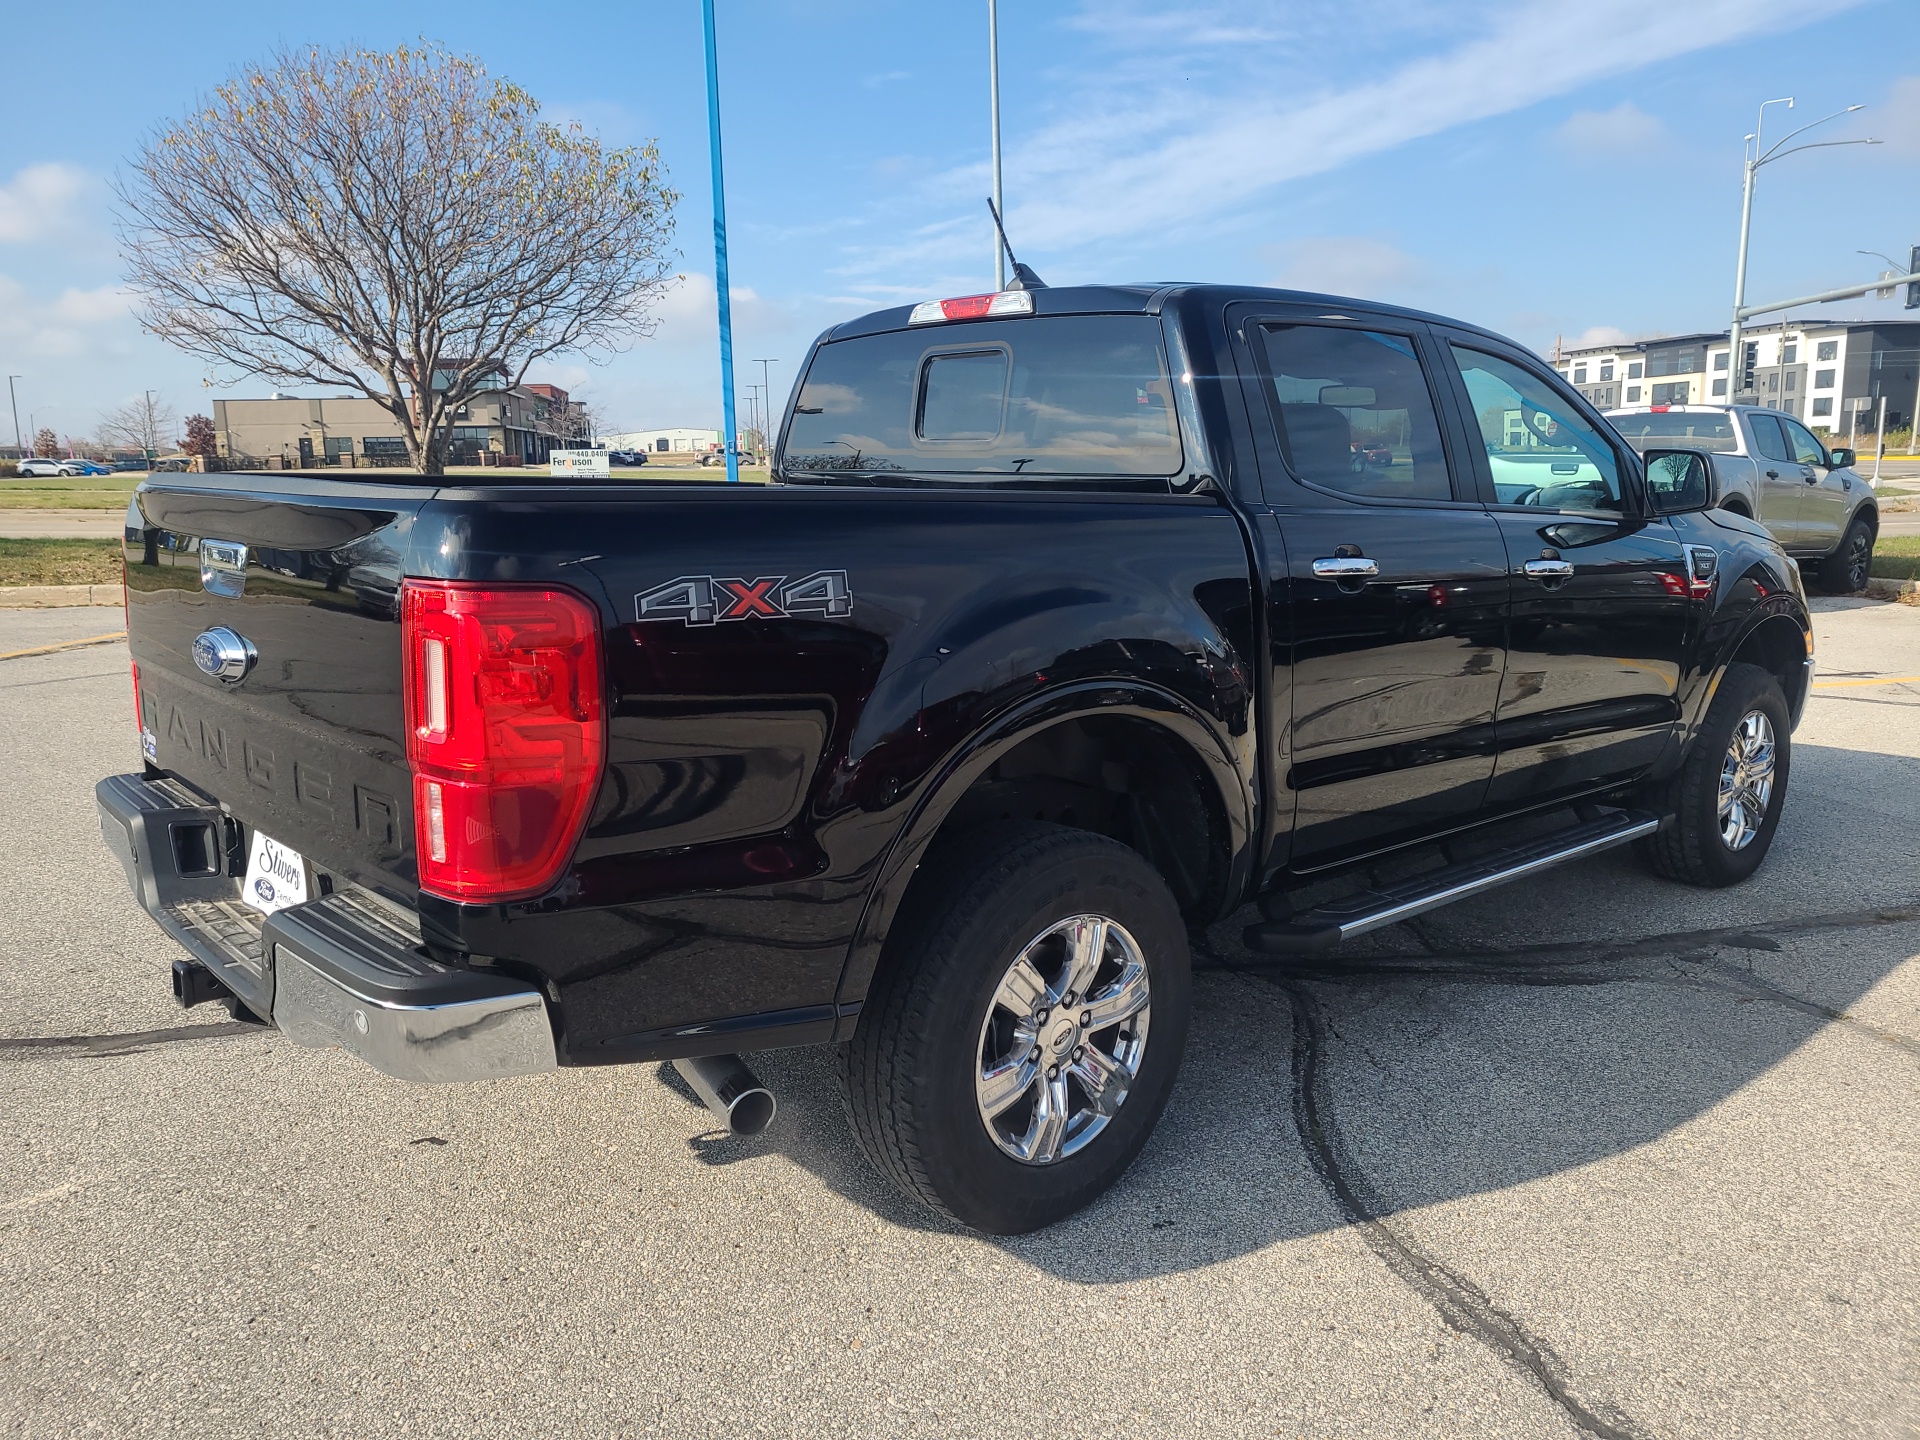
1179, 754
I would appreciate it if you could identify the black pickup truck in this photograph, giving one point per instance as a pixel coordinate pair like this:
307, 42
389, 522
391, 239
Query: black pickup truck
1073, 618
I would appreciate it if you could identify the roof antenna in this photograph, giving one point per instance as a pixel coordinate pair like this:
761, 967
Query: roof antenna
1023, 276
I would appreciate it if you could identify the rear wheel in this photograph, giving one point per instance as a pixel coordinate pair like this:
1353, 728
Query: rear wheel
1724, 804
1023, 1035
1845, 571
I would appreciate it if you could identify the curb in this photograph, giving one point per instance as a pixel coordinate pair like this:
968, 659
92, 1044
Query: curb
1905, 591
48, 597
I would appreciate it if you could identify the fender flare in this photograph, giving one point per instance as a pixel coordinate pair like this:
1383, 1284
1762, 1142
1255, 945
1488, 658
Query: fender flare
1134, 699
1772, 612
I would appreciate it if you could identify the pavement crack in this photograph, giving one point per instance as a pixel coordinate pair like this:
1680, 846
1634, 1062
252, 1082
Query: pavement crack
1462, 1305
1743, 978
131, 1043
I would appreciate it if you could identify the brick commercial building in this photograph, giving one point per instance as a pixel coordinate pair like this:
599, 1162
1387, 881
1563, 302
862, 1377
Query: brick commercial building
503, 425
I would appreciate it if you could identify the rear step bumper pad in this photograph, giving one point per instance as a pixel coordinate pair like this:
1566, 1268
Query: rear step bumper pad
1321, 928
341, 970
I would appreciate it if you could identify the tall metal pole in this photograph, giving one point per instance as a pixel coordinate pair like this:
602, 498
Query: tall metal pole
1736, 357
720, 248
16, 411
993, 84
766, 390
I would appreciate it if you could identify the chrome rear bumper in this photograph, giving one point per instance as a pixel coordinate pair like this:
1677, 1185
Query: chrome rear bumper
347, 969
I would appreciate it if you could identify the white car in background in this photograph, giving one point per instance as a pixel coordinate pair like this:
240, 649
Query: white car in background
1771, 468
47, 469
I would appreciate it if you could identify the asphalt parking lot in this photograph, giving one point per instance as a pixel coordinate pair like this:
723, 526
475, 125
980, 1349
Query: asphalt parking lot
1598, 1156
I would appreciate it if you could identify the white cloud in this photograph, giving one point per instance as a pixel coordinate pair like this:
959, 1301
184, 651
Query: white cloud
67, 324
41, 201
1355, 265
1133, 159
1622, 129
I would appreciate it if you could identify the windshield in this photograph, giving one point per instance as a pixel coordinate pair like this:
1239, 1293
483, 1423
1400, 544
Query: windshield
1057, 396
1700, 429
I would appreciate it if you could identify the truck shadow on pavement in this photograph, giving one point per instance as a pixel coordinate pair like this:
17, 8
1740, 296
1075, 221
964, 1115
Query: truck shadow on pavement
1398, 1074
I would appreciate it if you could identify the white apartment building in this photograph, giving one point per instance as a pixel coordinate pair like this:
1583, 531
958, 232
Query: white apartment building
1826, 373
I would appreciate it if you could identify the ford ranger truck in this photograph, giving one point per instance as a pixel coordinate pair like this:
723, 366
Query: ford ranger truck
1771, 468
1074, 618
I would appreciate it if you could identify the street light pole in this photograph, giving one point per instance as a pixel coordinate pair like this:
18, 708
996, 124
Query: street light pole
730, 440
766, 389
993, 85
15, 399
1756, 157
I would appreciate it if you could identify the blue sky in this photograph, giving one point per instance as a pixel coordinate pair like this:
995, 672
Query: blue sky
1545, 168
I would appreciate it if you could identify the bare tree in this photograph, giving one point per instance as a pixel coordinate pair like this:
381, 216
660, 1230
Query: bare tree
144, 423
398, 223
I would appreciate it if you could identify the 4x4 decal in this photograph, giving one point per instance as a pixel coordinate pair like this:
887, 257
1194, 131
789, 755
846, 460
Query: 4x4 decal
709, 599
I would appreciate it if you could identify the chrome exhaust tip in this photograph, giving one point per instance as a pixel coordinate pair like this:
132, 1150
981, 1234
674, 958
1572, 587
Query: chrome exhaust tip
730, 1090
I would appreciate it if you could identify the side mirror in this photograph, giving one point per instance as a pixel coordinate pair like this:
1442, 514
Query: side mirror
1842, 458
1678, 481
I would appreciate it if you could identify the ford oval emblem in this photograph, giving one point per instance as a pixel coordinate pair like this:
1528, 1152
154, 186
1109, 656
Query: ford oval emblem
222, 654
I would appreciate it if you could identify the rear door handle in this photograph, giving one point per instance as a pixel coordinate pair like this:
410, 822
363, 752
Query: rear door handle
1549, 569
1773, 474
1345, 567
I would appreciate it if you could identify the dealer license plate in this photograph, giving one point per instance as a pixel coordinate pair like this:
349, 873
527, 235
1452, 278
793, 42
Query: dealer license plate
276, 876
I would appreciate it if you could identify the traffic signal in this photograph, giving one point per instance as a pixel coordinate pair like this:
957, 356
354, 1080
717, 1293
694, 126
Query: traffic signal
1913, 286
1747, 363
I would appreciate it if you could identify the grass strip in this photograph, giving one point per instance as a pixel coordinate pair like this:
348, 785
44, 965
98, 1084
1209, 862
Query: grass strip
1897, 557
59, 562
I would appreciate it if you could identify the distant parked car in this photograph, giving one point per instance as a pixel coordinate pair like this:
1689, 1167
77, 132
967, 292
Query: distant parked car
82, 466
627, 458
170, 465
46, 469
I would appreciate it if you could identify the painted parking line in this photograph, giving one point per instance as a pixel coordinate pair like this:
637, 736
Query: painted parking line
64, 645
1835, 684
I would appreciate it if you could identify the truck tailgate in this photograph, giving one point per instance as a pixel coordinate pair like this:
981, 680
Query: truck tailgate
308, 745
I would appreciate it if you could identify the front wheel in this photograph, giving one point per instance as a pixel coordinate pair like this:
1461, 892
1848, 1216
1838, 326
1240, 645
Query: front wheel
1723, 806
1845, 571
1025, 1029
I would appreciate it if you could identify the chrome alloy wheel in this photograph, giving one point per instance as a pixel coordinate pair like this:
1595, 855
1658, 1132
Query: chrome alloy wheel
1746, 780
1063, 1039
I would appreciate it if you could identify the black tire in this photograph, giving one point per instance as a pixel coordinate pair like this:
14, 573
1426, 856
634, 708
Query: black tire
909, 1073
1692, 847
1845, 571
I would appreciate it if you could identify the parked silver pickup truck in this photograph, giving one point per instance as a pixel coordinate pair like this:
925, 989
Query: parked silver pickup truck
1771, 468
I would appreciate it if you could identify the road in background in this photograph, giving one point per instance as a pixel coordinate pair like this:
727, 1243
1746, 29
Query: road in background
1597, 1155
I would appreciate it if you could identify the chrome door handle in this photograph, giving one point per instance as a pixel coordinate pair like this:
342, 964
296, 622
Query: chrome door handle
1345, 567
1549, 569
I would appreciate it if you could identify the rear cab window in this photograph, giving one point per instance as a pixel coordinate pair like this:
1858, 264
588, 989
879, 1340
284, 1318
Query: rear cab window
1064, 399
1688, 430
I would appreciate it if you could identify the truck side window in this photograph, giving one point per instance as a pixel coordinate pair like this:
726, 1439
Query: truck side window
1354, 412
1806, 449
1766, 434
1540, 450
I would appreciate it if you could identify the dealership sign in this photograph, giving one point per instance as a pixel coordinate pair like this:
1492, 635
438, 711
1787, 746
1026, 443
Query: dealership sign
587, 464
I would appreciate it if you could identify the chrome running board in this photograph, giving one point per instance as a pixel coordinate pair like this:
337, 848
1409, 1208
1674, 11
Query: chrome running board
1325, 926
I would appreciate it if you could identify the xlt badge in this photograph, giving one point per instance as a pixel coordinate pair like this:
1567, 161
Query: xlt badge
709, 599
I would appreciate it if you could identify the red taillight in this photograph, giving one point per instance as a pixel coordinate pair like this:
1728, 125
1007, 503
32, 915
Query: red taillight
139, 712
506, 730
